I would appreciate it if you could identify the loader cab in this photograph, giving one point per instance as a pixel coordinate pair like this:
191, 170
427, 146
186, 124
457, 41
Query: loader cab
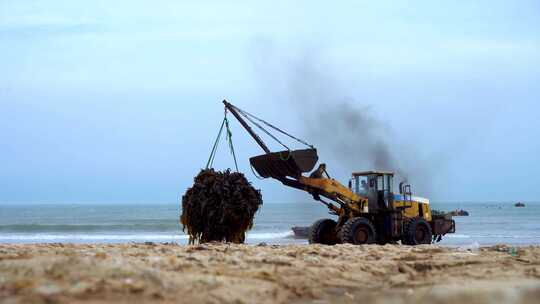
377, 186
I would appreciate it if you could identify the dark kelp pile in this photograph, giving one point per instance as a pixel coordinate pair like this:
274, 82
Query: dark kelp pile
219, 207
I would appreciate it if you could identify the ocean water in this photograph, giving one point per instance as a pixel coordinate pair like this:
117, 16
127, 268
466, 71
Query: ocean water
488, 223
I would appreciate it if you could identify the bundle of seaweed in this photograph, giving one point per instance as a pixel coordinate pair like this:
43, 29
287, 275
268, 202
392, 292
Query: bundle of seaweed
219, 207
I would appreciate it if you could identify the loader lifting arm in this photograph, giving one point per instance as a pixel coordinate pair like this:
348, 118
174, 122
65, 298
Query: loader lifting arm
330, 189
287, 167
256, 137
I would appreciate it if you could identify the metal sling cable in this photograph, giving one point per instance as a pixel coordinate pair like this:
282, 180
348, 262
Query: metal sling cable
263, 129
229, 139
228, 135
214, 148
274, 127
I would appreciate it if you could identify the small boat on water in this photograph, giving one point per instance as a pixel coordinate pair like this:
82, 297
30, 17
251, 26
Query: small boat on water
519, 204
300, 232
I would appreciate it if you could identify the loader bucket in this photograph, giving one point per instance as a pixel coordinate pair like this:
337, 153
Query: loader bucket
285, 163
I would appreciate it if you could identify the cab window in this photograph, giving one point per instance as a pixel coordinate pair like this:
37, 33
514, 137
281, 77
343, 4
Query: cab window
361, 185
389, 183
380, 183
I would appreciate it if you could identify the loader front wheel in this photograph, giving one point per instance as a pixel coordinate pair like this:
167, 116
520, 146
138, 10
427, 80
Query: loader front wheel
417, 231
323, 231
358, 231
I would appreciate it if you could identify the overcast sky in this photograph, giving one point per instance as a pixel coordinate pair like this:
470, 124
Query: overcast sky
120, 101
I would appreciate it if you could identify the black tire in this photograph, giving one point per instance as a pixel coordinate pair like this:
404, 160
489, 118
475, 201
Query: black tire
358, 231
323, 231
383, 239
416, 231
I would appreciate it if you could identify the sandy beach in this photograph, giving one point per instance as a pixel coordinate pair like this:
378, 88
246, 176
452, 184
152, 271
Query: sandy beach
225, 273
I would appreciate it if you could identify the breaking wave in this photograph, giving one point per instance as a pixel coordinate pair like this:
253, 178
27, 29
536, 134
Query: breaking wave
128, 237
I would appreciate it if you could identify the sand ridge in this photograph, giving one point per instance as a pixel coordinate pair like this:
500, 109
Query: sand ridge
229, 273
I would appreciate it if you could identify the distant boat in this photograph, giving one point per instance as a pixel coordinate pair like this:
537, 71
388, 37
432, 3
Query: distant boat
519, 204
459, 212
300, 232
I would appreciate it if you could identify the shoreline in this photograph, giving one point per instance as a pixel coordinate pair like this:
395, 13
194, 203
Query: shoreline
276, 238
228, 273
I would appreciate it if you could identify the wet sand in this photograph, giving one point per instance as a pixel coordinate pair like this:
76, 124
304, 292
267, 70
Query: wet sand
223, 273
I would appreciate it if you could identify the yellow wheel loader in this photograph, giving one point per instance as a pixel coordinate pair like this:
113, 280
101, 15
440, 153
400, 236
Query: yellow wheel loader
368, 211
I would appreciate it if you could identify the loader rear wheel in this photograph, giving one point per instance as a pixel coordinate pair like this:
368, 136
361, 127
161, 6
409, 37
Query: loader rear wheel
358, 231
323, 231
417, 231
